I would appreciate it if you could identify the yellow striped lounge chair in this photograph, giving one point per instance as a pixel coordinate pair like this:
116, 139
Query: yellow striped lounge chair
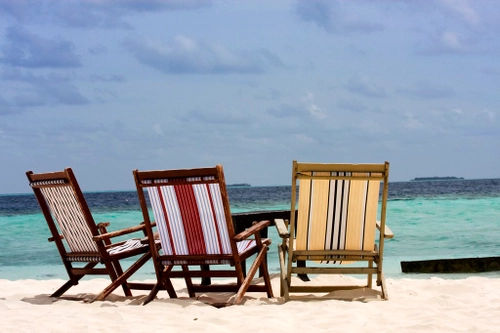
194, 225
84, 246
332, 223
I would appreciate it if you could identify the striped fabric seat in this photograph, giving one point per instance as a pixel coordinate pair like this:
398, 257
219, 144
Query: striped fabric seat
69, 216
337, 214
129, 244
193, 220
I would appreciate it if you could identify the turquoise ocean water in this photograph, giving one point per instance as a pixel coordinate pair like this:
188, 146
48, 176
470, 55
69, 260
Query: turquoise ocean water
430, 220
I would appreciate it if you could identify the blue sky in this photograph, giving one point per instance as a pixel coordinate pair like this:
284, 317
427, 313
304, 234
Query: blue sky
106, 87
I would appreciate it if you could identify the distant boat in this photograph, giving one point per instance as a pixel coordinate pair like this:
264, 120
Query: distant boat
423, 179
239, 185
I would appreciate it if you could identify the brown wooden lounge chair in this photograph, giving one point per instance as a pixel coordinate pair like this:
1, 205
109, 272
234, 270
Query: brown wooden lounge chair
83, 245
194, 224
334, 222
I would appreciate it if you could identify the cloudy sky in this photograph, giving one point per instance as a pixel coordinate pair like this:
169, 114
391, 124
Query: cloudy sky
107, 86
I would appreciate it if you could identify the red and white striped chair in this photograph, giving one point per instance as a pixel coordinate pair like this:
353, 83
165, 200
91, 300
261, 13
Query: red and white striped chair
84, 247
194, 224
334, 222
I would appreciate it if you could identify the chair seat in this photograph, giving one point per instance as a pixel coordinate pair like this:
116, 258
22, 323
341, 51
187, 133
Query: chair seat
128, 245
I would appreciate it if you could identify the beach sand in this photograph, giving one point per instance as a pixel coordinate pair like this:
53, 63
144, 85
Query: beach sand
416, 305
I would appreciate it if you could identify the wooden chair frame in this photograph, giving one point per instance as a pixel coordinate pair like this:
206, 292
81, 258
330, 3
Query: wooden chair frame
199, 265
102, 259
293, 261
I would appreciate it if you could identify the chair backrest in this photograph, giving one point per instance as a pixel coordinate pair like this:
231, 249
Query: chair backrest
338, 205
191, 210
62, 201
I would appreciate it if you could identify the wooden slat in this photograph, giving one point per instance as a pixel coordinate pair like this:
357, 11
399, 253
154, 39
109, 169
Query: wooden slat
334, 270
378, 177
388, 232
177, 174
323, 289
282, 228
340, 167
256, 227
120, 232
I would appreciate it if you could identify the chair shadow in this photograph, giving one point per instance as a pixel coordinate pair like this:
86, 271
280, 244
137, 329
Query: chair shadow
45, 299
217, 300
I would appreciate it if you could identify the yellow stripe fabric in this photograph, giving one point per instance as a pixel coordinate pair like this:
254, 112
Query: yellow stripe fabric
355, 219
371, 215
303, 215
318, 214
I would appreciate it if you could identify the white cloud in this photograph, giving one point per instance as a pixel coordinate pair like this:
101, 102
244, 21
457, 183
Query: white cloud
335, 17
362, 85
464, 10
451, 41
157, 129
26, 49
428, 90
412, 123
302, 138
313, 109
184, 55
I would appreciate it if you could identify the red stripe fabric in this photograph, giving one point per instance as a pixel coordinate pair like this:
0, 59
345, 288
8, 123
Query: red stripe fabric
191, 218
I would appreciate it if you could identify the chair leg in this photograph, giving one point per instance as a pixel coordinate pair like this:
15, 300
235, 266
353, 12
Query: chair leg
303, 277
152, 294
189, 281
170, 288
73, 279
244, 268
251, 273
264, 272
163, 283
283, 273
385, 295
65, 287
167, 283
122, 279
119, 272
205, 281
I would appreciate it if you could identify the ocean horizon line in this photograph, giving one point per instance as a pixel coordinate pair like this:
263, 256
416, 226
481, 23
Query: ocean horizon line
251, 186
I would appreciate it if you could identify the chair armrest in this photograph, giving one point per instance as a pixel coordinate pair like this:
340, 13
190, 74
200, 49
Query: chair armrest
52, 239
103, 225
145, 240
388, 232
281, 228
256, 227
119, 232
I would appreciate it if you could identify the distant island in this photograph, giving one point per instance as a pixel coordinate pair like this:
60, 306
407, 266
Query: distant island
420, 179
239, 185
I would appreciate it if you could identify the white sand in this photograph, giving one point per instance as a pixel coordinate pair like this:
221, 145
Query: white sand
415, 305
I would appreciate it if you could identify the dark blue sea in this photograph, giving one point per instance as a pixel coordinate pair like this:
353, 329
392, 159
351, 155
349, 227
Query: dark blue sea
430, 220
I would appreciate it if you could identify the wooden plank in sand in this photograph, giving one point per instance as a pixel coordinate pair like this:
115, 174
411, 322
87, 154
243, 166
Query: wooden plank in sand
462, 265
